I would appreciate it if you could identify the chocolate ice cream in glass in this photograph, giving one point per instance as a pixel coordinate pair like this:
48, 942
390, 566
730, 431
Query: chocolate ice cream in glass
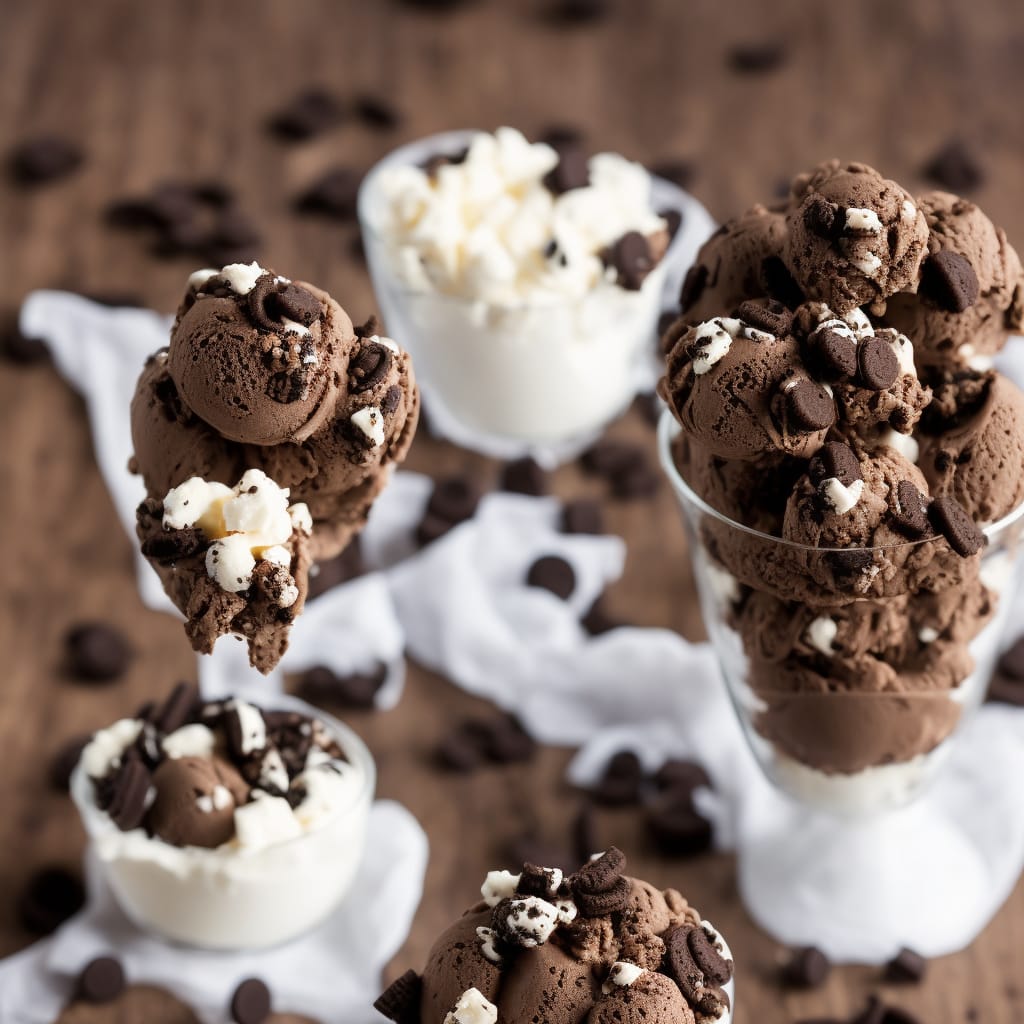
849, 464
592, 947
527, 280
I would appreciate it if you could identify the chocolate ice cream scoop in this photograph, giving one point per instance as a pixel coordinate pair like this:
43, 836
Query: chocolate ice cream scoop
595, 946
972, 287
195, 801
854, 237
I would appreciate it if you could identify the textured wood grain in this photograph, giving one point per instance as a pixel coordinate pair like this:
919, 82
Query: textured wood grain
180, 88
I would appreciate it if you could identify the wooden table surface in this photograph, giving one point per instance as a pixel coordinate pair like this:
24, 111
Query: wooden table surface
175, 89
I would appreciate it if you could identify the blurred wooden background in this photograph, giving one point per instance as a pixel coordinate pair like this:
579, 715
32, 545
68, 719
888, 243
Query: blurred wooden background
182, 89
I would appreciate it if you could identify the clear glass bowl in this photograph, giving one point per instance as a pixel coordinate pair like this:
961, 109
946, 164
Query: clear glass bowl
850, 670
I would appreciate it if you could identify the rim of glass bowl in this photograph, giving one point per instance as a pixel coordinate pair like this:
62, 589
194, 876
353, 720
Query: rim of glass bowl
669, 429
414, 153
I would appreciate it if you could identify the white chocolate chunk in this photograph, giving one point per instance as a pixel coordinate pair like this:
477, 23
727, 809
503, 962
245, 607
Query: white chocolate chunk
840, 496
621, 975
370, 420
472, 1008
821, 633
195, 740
860, 219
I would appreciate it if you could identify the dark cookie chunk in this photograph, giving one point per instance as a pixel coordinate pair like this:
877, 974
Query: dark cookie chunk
1012, 662
954, 168
673, 221
129, 794
101, 980
806, 968
610, 458
850, 562
333, 194
682, 775
571, 171
250, 1003
45, 159
600, 875
911, 510
460, 751
809, 406
49, 898
552, 573
272, 300
832, 355
773, 318
392, 399
535, 881
949, 280
758, 58
178, 709
65, 761
369, 366
907, 967
834, 460
582, 515
169, 546
400, 1001
610, 901
683, 970
298, 304
877, 363
97, 652
694, 283
306, 115
240, 743
371, 327
632, 259
322, 687
376, 112
708, 957
454, 499
524, 476
948, 517
621, 780
822, 217
288, 386
675, 825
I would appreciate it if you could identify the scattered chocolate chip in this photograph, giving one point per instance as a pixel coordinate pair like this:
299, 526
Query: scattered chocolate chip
773, 318
822, 217
911, 511
324, 688
571, 171
129, 794
833, 355
400, 1001
377, 113
369, 366
679, 172
810, 406
44, 159
101, 980
250, 1003
582, 515
948, 516
631, 258
676, 826
308, 114
757, 58
554, 574
621, 780
834, 460
954, 167
65, 761
597, 621
907, 967
568, 13
806, 968
678, 773
333, 194
524, 476
96, 652
178, 709
583, 833
1011, 663
610, 901
49, 898
949, 280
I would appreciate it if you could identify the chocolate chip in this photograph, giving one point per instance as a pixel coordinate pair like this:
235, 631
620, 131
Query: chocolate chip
683, 775
178, 709
833, 355
773, 318
524, 476
621, 780
911, 511
170, 546
708, 957
377, 113
333, 194
250, 1003
950, 519
554, 574
65, 761
907, 967
602, 874
568, 13
810, 406
583, 516
822, 217
49, 898
675, 825
693, 287
877, 364
571, 171
44, 159
454, 499
806, 968
392, 399
1011, 663
679, 171
96, 652
101, 980
949, 280
834, 459
400, 1001
610, 901
757, 58
369, 366
309, 113
954, 168
128, 796
631, 258
322, 687
583, 833
597, 621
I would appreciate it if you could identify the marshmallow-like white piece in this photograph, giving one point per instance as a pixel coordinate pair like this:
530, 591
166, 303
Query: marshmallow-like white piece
622, 975
472, 1008
498, 886
860, 219
251, 725
842, 497
195, 740
264, 822
301, 518
370, 420
259, 509
219, 800
821, 633
241, 277
928, 634
105, 749
196, 502
712, 342
230, 562
531, 920
488, 944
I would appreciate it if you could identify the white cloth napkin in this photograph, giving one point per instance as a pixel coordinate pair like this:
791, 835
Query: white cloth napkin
332, 974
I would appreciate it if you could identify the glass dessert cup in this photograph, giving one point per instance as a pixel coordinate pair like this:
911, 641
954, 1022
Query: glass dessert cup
503, 378
226, 898
850, 719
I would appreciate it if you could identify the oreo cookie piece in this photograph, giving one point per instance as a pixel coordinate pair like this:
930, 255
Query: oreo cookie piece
554, 574
96, 652
832, 354
631, 258
524, 476
322, 687
250, 1003
101, 980
949, 280
369, 366
608, 901
911, 510
682, 968
948, 517
571, 171
822, 218
129, 794
171, 546
621, 781
601, 874
49, 898
907, 967
452, 501
707, 956
773, 318
878, 366
834, 460
809, 406
400, 1001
